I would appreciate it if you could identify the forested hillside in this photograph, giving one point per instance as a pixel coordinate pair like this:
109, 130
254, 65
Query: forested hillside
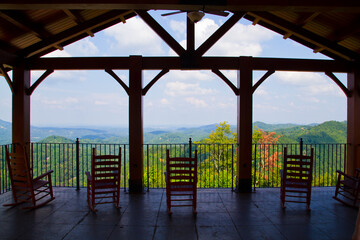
327, 132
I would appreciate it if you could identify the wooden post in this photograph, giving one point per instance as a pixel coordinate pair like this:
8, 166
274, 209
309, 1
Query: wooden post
353, 120
136, 181
244, 126
21, 107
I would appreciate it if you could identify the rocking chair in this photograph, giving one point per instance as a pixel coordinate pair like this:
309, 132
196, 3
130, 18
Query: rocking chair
36, 191
348, 188
296, 178
181, 182
103, 183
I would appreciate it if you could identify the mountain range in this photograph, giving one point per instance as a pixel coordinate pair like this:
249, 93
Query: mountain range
327, 132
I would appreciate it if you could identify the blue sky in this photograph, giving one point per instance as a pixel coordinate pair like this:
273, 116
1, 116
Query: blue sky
181, 98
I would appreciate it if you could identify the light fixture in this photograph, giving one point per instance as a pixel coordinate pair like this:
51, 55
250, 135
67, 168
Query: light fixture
195, 16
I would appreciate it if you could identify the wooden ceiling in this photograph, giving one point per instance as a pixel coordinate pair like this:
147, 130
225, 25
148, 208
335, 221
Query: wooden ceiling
33, 28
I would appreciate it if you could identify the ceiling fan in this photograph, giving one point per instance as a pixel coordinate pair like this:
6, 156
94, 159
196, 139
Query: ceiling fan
196, 16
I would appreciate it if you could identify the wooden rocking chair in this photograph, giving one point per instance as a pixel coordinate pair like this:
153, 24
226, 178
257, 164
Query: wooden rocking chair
348, 188
296, 178
181, 182
103, 183
26, 189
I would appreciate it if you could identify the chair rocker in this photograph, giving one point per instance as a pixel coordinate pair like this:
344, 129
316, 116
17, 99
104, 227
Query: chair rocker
26, 189
296, 178
347, 188
181, 182
103, 183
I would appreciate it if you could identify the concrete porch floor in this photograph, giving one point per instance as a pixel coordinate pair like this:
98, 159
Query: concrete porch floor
222, 214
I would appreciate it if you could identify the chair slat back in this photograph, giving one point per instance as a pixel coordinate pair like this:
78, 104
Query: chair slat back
181, 169
19, 169
106, 168
298, 168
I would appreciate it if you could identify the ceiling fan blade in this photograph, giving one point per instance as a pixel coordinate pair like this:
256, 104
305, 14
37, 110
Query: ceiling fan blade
219, 13
171, 13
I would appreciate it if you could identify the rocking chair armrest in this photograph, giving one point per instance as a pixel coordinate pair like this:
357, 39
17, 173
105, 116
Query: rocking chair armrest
88, 175
44, 175
347, 176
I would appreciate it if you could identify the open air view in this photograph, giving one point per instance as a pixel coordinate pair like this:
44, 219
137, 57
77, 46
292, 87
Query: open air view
245, 113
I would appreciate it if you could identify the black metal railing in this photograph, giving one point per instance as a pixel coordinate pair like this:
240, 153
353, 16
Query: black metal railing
216, 163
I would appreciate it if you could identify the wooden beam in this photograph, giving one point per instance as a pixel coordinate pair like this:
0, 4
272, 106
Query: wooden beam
226, 80
77, 18
244, 126
190, 35
339, 83
84, 34
305, 18
152, 82
37, 82
118, 79
7, 58
21, 21
219, 33
161, 32
236, 5
70, 33
262, 79
7, 78
174, 63
346, 32
306, 35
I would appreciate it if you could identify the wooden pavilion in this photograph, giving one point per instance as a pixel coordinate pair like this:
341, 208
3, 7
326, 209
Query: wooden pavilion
30, 29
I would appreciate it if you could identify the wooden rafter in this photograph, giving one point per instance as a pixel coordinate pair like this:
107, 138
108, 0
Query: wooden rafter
345, 32
305, 18
71, 33
21, 21
244, 5
159, 30
306, 35
77, 18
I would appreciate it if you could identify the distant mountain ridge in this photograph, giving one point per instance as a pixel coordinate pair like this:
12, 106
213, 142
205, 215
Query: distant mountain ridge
327, 132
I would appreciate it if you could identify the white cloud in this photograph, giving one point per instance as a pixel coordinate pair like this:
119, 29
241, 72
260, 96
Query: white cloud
134, 37
59, 53
84, 47
310, 83
184, 89
164, 101
261, 92
241, 40
178, 26
196, 102
191, 75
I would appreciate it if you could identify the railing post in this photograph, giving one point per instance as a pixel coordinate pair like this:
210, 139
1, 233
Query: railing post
77, 165
301, 146
190, 143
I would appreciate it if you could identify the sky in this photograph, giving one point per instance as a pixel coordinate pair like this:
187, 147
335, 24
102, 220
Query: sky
180, 98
